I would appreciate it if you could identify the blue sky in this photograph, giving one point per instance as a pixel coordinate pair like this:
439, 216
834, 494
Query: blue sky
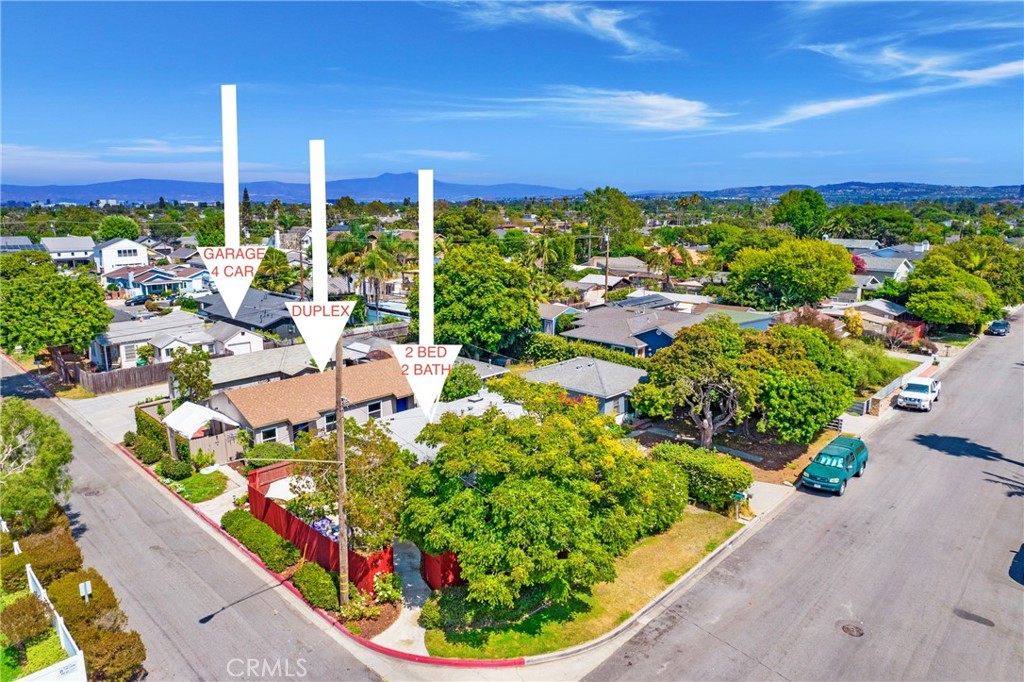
676, 96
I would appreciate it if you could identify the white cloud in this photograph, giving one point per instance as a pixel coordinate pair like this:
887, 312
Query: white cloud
603, 23
627, 108
163, 147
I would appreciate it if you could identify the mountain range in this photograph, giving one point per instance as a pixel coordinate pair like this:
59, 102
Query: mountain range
395, 187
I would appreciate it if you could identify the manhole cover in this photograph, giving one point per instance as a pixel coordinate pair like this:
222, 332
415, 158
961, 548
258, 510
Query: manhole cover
853, 630
88, 492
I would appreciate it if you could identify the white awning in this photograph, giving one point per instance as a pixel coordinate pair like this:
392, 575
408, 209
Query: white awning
190, 417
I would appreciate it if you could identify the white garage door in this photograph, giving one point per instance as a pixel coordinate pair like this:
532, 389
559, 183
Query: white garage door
240, 347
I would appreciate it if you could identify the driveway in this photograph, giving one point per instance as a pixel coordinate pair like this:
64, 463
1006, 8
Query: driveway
114, 413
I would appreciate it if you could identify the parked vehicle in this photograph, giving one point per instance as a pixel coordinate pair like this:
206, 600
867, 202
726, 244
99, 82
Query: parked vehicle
841, 460
138, 300
919, 394
998, 328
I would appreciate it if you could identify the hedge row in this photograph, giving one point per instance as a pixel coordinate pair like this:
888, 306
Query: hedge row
276, 552
713, 477
149, 428
97, 627
317, 586
174, 469
52, 554
547, 347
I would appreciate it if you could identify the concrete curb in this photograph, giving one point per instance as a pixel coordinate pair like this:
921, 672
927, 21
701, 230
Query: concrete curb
673, 590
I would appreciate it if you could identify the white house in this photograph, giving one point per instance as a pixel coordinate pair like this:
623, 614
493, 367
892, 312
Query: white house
69, 252
230, 338
119, 253
118, 346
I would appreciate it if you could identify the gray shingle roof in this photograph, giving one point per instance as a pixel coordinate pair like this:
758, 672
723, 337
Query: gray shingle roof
223, 331
178, 322
883, 264
259, 308
286, 360
53, 244
589, 376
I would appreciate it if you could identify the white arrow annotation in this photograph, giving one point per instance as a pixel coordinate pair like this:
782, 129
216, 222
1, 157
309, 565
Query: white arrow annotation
426, 365
231, 266
320, 322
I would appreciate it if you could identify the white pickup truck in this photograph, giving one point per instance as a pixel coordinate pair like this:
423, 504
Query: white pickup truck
919, 394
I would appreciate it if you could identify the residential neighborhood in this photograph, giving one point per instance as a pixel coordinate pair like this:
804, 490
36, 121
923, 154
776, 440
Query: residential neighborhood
736, 394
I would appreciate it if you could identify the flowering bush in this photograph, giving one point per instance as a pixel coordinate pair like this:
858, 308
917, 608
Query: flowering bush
387, 588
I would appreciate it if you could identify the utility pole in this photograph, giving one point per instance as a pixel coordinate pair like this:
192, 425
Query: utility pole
607, 251
339, 404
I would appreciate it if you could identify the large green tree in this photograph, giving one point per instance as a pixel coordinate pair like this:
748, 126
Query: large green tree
275, 273
190, 371
118, 227
992, 259
796, 272
44, 308
945, 294
34, 456
545, 501
480, 299
802, 209
26, 264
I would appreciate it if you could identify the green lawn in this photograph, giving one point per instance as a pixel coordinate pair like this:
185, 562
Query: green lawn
201, 487
952, 339
642, 574
10, 667
40, 654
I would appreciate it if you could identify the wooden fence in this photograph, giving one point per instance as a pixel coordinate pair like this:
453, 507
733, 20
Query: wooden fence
122, 379
314, 546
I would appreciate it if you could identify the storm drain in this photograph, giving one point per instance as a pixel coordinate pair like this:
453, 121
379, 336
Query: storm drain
853, 630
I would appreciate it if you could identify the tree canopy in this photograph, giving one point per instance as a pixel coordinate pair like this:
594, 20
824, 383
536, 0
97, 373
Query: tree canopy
190, 370
118, 227
545, 501
802, 209
940, 292
480, 299
34, 455
796, 272
44, 308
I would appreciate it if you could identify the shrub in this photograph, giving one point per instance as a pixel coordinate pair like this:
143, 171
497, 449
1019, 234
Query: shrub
713, 477
276, 552
462, 381
430, 615
619, 294
387, 588
52, 554
359, 607
317, 586
110, 654
547, 347
268, 453
189, 304
101, 610
150, 428
43, 653
149, 451
25, 619
203, 460
174, 469
12, 568
130, 438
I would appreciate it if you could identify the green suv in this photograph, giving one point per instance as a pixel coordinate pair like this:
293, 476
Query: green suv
841, 460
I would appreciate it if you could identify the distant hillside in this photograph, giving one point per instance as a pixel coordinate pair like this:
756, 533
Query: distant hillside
386, 187
394, 187
863, 192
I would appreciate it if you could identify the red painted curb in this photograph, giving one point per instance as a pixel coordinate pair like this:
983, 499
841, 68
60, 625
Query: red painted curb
387, 651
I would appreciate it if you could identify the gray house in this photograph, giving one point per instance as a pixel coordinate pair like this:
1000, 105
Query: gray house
609, 382
69, 252
118, 346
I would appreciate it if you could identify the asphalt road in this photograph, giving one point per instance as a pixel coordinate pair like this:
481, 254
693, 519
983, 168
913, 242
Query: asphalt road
924, 555
202, 613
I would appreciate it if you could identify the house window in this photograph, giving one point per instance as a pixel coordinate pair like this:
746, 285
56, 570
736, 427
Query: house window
129, 352
125, 253
375, 410
268, 435
330, 421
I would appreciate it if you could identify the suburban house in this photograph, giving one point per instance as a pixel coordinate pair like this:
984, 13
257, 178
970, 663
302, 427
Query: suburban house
643, 332
912, 252
549, 314
589, 294
861, 283
880, 268
261, 311
234, 340
877, 314
119, 253
794, 317
649, 301
614, 281
681, 302
274, 364
279, 411
609, 382
165, 343
118, 346
18, 243
157, 279
856, 246
484, 370
337, 288
183, 254
69, 252
624, 266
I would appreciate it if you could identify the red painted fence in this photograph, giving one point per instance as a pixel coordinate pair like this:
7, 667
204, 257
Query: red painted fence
314, 546
440, 570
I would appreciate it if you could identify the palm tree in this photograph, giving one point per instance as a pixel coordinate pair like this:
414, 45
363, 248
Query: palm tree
662, 259
275, 272
543, 249
376, 267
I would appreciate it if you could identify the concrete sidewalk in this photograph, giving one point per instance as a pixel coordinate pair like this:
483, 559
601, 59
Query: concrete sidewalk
765, 497
406, 634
